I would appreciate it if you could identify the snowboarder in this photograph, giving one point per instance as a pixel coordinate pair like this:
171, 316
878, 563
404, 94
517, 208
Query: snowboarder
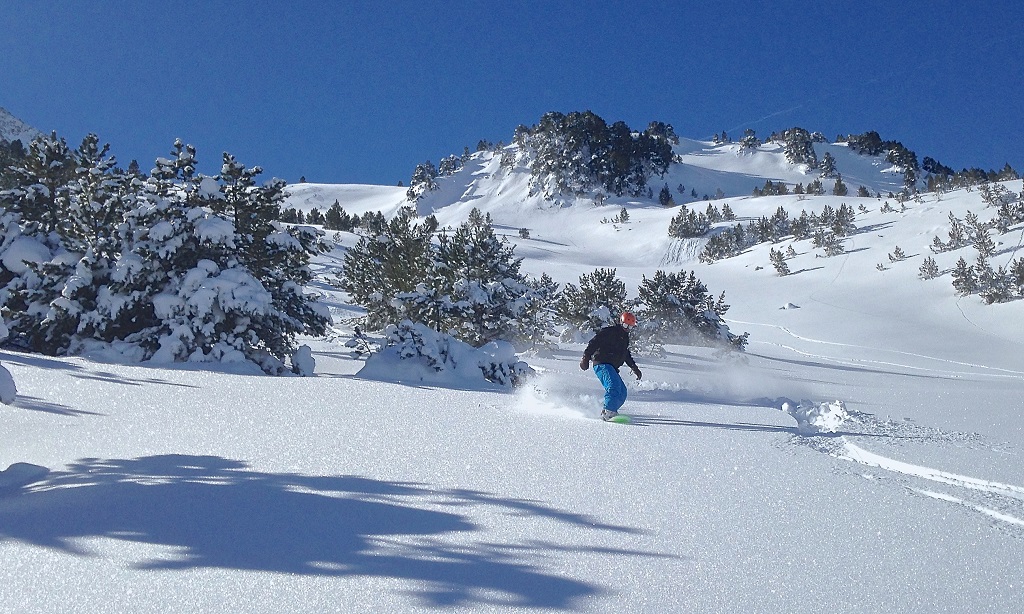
608, 350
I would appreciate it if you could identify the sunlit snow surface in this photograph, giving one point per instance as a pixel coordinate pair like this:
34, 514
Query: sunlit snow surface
893, 481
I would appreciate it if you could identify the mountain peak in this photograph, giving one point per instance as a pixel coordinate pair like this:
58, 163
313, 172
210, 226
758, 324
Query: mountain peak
12, 128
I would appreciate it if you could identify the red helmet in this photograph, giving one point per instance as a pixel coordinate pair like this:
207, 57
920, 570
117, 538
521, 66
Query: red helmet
627, 319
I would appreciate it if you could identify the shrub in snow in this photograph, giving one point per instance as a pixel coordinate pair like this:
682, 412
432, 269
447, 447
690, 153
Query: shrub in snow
422, 353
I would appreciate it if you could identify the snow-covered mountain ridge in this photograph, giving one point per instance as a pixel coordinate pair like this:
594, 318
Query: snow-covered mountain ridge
12, 129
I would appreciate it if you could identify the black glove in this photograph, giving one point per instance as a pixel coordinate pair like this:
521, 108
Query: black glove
637, 373
585, 364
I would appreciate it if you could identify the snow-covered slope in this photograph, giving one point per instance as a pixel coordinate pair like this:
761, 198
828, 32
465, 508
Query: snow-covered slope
356, 199
12, 128
897, 485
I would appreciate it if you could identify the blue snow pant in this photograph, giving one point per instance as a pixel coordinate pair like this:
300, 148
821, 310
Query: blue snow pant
614, 388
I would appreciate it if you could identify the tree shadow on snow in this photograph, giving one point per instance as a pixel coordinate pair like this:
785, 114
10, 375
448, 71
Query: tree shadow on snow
82, 372
212, 512
37, 404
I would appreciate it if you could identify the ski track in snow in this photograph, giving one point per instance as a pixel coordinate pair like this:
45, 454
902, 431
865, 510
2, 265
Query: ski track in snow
1008, 498
998, 371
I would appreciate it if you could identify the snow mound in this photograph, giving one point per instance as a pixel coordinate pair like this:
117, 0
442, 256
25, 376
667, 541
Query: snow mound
417, 353
815, 418
303, 362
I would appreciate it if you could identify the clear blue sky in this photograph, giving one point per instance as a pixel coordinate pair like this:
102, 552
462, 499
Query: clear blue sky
360, 92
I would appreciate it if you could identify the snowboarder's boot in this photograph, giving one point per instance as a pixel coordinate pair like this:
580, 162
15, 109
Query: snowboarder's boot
607, 414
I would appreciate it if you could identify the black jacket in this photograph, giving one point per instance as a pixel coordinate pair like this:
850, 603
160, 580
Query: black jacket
610, 345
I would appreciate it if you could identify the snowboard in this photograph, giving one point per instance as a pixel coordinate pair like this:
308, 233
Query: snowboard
620, 419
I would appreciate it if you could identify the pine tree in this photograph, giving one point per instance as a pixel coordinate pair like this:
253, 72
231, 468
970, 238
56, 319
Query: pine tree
749, 140
277, 257
423, 180
67, 300
778, 260
957, 233
997, 287
688, 224
665, 197
391, 259
677, 308
40, 195
815, 188
336, 218
929, 269
595, 303
840, 188
1016, 275
798, 147
983, 242
478, 274
828, 166
964, 280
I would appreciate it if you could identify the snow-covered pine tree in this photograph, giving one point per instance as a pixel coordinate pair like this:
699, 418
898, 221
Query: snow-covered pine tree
424, 179
929, 269
40, 195
749, 140
778, 260
828, 167
449, 165
487, 298
392, 258
594, 304
546, 293
66, 304
982, 241
964, 280
35, 211
277, 256
677, 308
798, 147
